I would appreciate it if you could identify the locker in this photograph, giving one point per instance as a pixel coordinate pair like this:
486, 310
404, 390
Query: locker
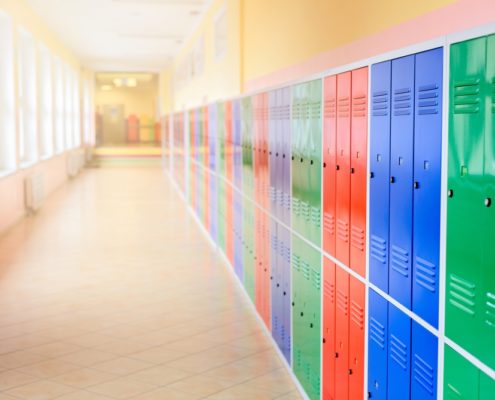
487, 387
299, 104
424, 363
461, 378
329, 163
381, 75
401, 178
192, 156
274, 139
343, 167
265, 171
286, 154
248, 248
206, 163
276, 278
427, 184
238, 247
328, 329
229, 174
377, 346
359, 165
284, 268
237, 140
399, 354
342, 305
464, 302
356, 338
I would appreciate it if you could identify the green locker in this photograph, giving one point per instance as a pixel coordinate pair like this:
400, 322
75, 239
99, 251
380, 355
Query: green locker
298, 105
247, 146
221, 138
306, 316
465, 192
461, 378
248, 247
487, 387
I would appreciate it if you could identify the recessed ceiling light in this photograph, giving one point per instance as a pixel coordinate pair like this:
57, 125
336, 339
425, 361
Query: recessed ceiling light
106, 88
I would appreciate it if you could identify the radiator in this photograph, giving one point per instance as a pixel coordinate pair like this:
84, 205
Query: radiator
34, 191
75, 163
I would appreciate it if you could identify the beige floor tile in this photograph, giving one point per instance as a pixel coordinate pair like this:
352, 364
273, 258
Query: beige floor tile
160, 375
166, 394
82, 395
88, 357
55, 349
7, 397
40, 390
295, 395
242, 392
200, 385
122, 366
48, 369
121, 388
122, 347
277, 382
18, 359
13, 378
82, 378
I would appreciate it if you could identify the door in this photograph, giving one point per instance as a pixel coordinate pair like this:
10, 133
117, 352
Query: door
424, 364
328, 329
461, 378
114, 131
356, 338
377, 346
342, 335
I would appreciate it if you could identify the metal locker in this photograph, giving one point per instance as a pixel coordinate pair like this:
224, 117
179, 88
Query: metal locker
284, 269
192, 165
328, 375
377, 346
248, 248
424, 363
464, 306
329, 163
401, 179
238, 236
381, 75
247, 147
279, 162
274, 133
275, 280
461, 378
229, 241
427, 183
213, 207
342, 308
486, 343
237, 140
298, 104
265, 154
343, 167
286, 154
359, 165
357, 292
399, 354
206, 164
487, 387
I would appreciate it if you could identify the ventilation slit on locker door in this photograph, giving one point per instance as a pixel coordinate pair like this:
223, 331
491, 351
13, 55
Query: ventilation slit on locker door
425, 274
467, 96
329, 290
462, 294
378, 249
343, 107
342, 301
398, 351
380, 103
377, 332
343, 230
358, 236
329, 223
402, 102
359, 105
330, 108
357, 315
490, 310
428, 99
399, 260
424, 374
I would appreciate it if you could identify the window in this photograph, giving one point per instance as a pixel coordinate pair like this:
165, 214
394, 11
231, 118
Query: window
221, 34
68, 111
28, 141
87, 114
46, 105
7, 110
76, 113
59, 107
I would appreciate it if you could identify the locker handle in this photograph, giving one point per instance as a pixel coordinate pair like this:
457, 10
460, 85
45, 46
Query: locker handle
292, 158
350, 371
392, 179
336, 355
337, 167
450, 193
271, 278
276, 154
293, 304
278, 284
324, 340
302, 314
416, 185
324, 165
285, 293
270, 153
352, 170
488, 202
311, 325
283, 156
372, 175
311, 162
301, 159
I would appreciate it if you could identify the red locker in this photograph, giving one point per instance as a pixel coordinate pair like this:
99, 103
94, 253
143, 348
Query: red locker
329, 163
342, 334
343, 168
257, 148
359, 177
356, 339
328, 329
229, 211
265, 154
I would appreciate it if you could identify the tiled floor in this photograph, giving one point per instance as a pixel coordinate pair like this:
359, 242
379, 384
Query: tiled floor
111, 292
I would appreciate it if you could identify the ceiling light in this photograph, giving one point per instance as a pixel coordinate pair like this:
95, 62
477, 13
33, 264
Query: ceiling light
106, 88
131, 82
118, 82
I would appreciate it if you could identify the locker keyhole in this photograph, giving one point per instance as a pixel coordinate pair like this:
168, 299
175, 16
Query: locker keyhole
488, 202
378, 158
401, 161
464, 171
426, 165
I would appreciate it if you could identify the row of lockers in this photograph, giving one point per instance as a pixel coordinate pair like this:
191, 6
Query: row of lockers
296, 159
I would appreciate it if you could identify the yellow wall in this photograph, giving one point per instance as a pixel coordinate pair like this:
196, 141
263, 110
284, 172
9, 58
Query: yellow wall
219, 79
165, 91
281, 33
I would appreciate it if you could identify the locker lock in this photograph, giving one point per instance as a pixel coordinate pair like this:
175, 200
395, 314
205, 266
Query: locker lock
392, 179
352, 170
276, 154
285, 293
324, 340
292, 158
350, 371
336, 355
337, 167
324, 165
372, 175
271, 278
302, 159
270, 153
416, 185
302, 314
311, 325
311, 162
488, 202
293, 304
283, 156
450, 193
278, 284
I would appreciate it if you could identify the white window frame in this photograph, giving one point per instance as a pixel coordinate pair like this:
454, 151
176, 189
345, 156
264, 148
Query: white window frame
59, 107
46, 105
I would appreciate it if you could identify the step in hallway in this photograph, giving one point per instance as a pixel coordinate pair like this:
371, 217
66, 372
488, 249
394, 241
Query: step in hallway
112, 292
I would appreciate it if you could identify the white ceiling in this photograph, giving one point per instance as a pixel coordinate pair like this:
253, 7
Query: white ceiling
122, 35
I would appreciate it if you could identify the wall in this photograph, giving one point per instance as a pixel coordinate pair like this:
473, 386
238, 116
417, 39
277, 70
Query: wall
12, 187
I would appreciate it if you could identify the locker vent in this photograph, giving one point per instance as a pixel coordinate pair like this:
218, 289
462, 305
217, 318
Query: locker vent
343, 107
273, 194
402, 102
424, 374
285, 112
342, 301
296, 206
316, 279
380, 103
331, 108
377, 332
297, 357
315, 111
378, 249
305, 211
316, 216
490, 310
296, 262
329, 223
467, 96
493, 95
287, 200
358, 238
425, 274
428, 99
305, 270
453, 393
462, 294
343, 230
329, 291
359, 106
398, 351
357, 315
399, 260
274, 242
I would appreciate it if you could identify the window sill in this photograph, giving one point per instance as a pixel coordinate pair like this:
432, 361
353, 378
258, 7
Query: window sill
7, 172
27, 164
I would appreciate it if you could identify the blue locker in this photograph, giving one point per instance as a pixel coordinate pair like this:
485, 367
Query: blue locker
236, 120
279, 197
381, 75
401, 178
286, 154
427, 184
377, 346
424, 363
399, 354
273, 133
275, 283
284, 268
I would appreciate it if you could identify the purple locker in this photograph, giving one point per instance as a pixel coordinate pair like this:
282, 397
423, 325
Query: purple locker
285, 112
213, 195
236, 120
197, 155
284, 238
273, 134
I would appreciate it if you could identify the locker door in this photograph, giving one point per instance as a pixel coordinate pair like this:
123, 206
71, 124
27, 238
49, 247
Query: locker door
399, 354
461, 378
356, 339
273, 133
487, 350
206, 163
284, 266
342, 335
329, 163
427, 184
377, 346
401, 179
424, 364
487, 387
328, 329
275, 280
381, 75
286, 154
464, 303
296, 121
343, 176
359, 165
